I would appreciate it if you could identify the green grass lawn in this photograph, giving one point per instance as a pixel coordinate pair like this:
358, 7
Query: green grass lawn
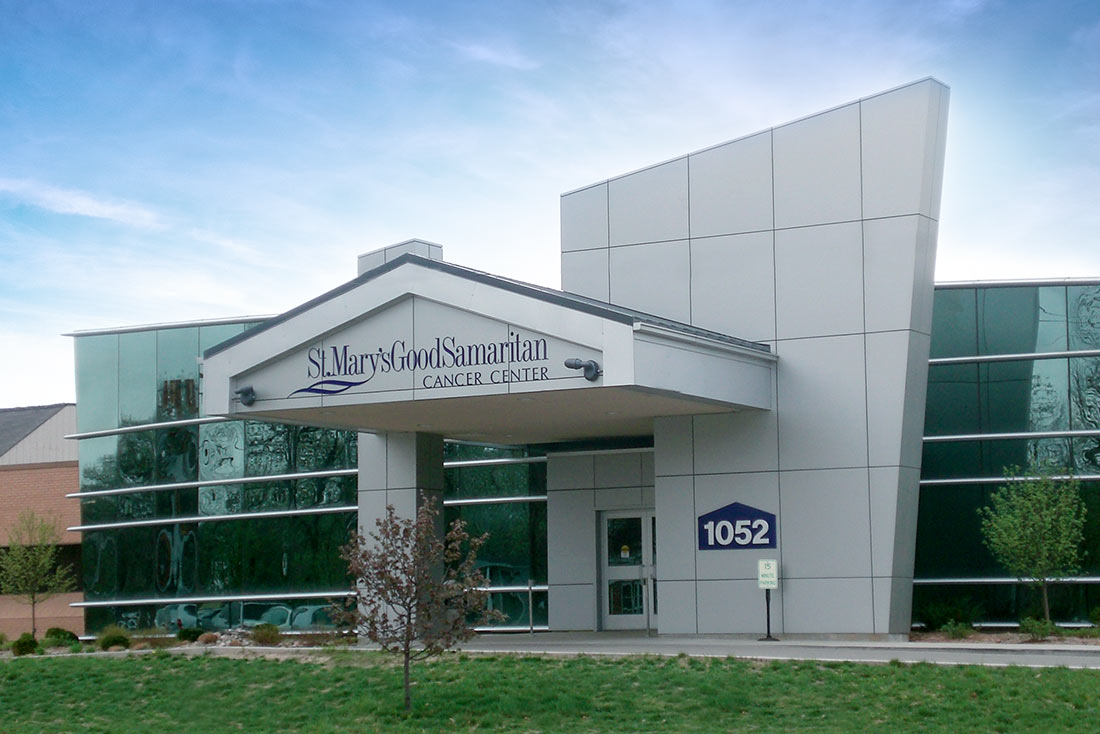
361, 692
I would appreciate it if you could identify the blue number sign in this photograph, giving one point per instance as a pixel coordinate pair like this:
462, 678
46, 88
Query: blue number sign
736, 526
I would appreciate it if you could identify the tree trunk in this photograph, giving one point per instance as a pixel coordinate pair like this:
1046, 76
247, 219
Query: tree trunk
1046, 601
34, 620
408, 698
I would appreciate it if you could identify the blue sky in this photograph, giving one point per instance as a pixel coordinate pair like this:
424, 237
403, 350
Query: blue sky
176, 161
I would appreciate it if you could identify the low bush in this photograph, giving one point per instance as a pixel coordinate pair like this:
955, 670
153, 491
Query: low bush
76, 647
189, 634
208, 638
1037, 629
112, 637
963, 610
266, 634
60, 636
1094, 616
25, 645
956, 630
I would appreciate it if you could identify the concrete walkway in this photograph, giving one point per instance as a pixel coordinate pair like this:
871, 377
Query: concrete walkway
945, 653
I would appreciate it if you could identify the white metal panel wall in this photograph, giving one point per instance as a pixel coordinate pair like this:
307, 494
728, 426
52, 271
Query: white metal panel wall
47, 443
817, 237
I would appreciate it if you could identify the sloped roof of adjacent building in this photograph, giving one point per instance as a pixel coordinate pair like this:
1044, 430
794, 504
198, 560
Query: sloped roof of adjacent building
18, 423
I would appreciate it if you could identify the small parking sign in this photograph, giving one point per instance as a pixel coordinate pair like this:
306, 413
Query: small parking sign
767, 574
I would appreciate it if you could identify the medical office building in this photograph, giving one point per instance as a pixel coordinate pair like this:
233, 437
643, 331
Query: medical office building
747, 360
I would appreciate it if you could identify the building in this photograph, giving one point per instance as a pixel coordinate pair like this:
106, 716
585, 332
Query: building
1014, 376
735, 370
38, 468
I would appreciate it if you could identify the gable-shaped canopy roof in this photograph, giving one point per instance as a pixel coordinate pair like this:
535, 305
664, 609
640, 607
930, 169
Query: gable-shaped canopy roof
423, 345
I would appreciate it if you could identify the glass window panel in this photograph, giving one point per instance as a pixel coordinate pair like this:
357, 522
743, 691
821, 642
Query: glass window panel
625, 597
177, 373
1024, 395
504, 480
319, 449
1012, 320
1090, 493
515, 606
1053, 451
1000, 457
1086, 455
98, 463
1053, 328
1006, 602
220, 500
455, 451
515, 550
624, 541
952, 460
1049, 404
221, 450
1084, 316
98, 510
137, 378
177, 457
96, 382
137, 458
954, 323
267, 496
266, 449
949, 538
952, 404
1085, 393
213, 335
288, 614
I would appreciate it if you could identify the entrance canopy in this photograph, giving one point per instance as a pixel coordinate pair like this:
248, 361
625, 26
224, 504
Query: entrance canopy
419, 345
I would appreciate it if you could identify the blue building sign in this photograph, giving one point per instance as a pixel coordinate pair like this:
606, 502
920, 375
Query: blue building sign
736, 526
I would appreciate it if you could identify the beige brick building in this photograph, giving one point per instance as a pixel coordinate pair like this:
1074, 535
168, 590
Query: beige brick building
38, 467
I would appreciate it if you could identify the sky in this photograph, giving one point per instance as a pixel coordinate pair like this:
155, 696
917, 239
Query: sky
175, 161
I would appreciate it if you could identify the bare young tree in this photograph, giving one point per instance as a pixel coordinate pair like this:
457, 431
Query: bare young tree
416, 593
29, 567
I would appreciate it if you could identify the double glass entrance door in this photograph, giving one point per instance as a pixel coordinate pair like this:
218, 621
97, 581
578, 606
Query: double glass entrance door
628, 557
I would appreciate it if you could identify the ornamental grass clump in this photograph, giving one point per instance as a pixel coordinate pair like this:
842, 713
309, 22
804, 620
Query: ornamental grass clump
113, 637
266, 634
188, 634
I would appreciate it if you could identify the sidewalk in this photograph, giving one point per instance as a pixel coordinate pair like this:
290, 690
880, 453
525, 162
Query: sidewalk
942, 653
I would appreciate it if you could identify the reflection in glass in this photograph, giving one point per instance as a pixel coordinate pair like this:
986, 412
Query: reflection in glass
96, 382
625, 597
177, 373
504, 480
515, 608
624, 541
952, 406
221, 450
1021, 320
954, 323
215, 334
137, 378
515, 550
1084, 316
98, 463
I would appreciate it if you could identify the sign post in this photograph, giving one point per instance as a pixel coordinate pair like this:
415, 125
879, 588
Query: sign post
767, 578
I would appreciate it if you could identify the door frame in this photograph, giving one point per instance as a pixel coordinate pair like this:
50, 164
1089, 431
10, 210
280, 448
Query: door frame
646, 571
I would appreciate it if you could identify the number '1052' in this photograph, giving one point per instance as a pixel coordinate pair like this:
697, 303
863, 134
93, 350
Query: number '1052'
740, 532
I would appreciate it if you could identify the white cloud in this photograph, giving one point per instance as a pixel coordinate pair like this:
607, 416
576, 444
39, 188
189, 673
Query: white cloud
80, 203
498, 55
